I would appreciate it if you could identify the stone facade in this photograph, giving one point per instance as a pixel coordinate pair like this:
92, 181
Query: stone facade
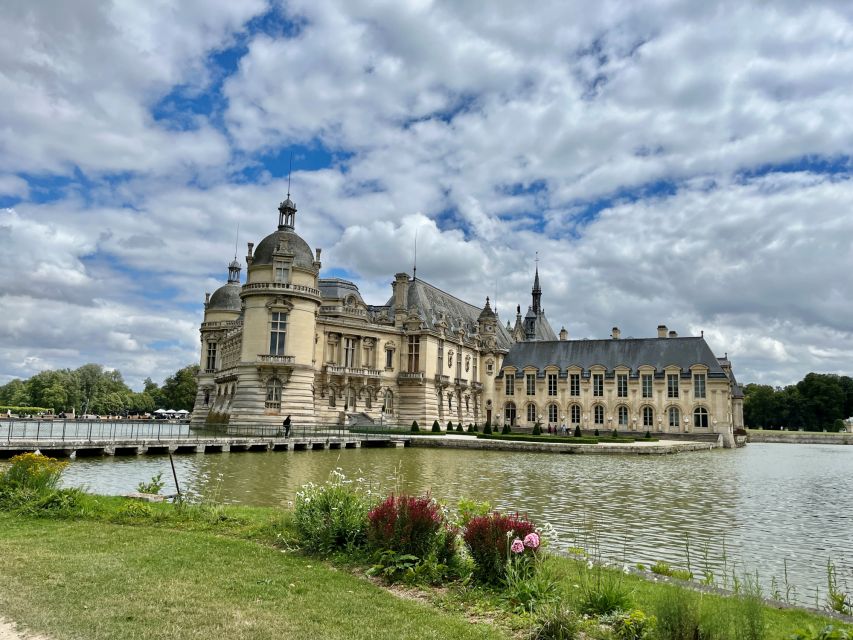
287, 342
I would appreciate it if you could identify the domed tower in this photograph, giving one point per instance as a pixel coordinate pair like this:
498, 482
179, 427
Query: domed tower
280, 302
221, 315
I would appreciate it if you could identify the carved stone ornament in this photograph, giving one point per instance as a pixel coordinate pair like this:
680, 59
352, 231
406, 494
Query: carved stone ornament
369, 342
467, 363
450, 359
390, 346
334, 338
280, 304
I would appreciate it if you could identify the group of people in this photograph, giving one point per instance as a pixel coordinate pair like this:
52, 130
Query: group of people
563, 429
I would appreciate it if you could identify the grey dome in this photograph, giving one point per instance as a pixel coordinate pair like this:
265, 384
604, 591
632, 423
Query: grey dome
225, 298
290, 243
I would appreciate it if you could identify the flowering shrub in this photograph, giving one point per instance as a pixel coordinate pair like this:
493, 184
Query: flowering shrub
333, 515
405, 524
33, 471
491, 539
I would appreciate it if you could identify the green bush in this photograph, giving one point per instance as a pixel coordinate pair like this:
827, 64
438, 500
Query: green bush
537, 429
556, 622
152, 486
436, 428
34, 472
415, 427
331, 516
460, 428
595, 433
520, 437
449, 426
829, 632
487, 430
677, 613
24, 411
615, 434
633, 625
603, 592
648, 435
506, 429
472, 428
577, 431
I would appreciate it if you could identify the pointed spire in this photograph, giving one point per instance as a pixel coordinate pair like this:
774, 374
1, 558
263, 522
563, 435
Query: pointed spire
537, 290
287, 210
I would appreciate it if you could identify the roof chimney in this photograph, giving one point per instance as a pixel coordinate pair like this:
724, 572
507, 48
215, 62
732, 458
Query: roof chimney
615, 333
564, 335
673, 334
661, 331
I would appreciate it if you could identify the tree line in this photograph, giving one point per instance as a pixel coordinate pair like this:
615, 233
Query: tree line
817, 402
92, 389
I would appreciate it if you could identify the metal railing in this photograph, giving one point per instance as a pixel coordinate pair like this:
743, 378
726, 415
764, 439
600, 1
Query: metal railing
12, 430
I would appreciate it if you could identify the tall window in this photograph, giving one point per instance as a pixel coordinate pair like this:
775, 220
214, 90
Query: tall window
280, 272
440, 357
552, 384
509, 413
672, 385
349, 352
623, 416
389, 359
648, 417
699, 385
278, 328
211, 356
389, 402
622, 385
598, 384
674, 417
598, 414
552, 413
509, 388
646, 380
575, 414
574, 384
700, 418
474, 370
414, 353
274, 394
531, 384
449, 402
531, 413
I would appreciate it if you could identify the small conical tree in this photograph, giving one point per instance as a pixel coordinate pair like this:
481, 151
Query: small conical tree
449, 426
615, 433
415, 427
577, 431
648, 435
487, 430
472, 428
460, 428
596, 432
435, 426
537, 429
506, 429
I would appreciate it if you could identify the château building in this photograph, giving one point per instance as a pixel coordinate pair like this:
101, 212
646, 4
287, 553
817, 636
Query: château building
288, 342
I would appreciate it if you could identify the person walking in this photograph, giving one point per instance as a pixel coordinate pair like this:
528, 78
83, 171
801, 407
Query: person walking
287, 427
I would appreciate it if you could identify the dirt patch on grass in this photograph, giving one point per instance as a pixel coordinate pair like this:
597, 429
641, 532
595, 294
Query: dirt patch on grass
8, 631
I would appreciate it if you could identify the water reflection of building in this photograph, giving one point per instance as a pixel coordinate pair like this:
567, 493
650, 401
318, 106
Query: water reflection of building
287, 342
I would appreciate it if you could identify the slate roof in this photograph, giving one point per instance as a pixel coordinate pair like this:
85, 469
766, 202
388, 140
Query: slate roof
543, 330
633, 353
290, 243
432, 305
338, 289
225, 298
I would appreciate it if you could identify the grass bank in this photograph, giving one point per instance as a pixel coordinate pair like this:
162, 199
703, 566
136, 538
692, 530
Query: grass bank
192, 578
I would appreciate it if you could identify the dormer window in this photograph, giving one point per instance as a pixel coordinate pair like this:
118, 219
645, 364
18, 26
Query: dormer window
281, 272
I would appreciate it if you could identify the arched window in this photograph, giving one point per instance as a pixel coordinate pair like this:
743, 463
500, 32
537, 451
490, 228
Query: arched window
531, 412
449, 402
674, 418
552, 413
598, 414
368, 401
623, 416
274, 394
350, 399
575, 413
648, 417
700, 418
509, 413
389, 402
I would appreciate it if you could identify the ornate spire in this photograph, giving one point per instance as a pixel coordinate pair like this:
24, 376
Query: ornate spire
537, 291
287, 210
234, 271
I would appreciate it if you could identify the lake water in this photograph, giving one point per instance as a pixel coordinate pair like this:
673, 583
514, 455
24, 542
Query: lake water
747, 509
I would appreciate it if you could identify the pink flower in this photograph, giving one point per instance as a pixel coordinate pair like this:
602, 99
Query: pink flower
531, 541
517, 546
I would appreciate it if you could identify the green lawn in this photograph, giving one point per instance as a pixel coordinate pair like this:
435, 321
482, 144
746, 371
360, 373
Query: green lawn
85, 579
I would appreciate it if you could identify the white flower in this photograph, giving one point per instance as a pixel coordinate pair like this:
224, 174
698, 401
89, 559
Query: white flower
626, 570
589, 564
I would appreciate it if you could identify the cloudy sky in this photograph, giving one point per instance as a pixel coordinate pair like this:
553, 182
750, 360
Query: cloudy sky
672, 161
